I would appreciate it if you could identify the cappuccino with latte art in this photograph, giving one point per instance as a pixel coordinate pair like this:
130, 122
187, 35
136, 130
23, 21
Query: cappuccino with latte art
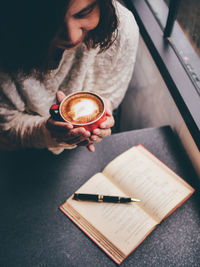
82, 108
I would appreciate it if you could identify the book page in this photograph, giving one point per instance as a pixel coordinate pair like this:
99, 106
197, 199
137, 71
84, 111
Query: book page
124, 225
141, 175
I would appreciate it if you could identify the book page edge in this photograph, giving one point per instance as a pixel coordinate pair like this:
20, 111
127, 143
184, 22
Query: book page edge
93, 239
99, 245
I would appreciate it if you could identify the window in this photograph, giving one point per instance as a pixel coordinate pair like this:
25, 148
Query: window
188, 18
174, 46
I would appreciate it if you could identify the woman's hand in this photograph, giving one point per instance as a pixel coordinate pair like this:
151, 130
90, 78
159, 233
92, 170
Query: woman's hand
64, 132
104, 128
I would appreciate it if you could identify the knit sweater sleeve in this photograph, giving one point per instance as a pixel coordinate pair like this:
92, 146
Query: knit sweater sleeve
19, 127
114, 67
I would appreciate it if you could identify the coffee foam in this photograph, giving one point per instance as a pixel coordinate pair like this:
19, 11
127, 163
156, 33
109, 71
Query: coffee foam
85, 107
82, 108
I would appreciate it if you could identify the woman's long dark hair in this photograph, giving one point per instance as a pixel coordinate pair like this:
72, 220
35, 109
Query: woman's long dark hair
28, 27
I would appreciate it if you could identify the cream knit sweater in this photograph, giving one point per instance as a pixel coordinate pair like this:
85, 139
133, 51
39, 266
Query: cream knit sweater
25, 103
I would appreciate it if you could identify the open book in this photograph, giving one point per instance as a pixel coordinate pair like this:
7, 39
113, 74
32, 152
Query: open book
119, 228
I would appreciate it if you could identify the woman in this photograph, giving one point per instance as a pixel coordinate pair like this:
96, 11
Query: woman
54, 48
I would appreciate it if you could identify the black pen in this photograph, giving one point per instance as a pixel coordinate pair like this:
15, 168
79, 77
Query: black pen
102, 198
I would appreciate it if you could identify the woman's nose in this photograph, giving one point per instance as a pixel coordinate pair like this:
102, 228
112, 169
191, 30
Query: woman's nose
74, 31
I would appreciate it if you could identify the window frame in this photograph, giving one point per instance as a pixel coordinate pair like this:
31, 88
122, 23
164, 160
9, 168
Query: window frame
171, 68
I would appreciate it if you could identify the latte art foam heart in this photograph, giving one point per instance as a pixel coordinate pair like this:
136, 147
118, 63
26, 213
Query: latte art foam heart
82, 108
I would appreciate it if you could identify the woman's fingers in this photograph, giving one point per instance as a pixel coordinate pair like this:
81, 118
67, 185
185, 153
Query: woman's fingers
102, 132
64, 132
99, 134
57, 126
91, 147
108, 107
74, 139
108, 123
60, 96
104, 129
84, 143
96, 138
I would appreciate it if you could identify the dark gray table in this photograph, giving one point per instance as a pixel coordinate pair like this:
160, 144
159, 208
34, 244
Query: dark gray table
34, 183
